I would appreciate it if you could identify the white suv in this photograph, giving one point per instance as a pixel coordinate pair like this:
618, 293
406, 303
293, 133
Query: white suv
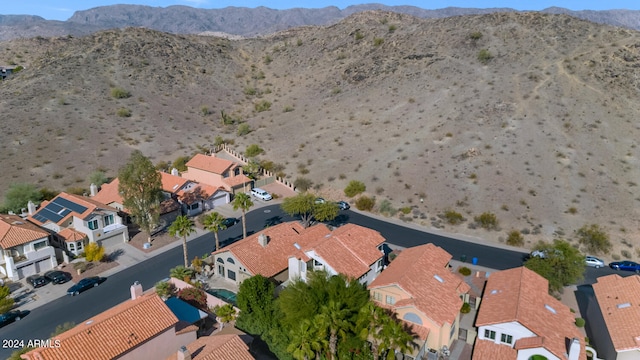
261, 194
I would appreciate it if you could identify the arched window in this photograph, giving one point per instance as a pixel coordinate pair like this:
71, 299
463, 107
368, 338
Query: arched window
537, 357
220, 260
413, 318
230, 261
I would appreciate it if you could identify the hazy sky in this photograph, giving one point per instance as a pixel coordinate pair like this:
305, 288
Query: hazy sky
63, 9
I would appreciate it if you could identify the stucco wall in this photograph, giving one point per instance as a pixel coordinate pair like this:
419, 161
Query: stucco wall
161, 346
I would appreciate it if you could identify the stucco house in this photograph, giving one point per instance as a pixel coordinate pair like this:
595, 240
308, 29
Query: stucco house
286, 251
613, 317
26, 249
101, 223
519, 320
420, 288
215, 347
217, 172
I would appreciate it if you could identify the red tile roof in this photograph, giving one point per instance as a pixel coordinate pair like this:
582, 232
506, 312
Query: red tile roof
16, 231
619, 301
487, 349
520, 295
111, 333
237, 180
90, 204
172, 183
109, 193
218, 347
423, 273
208, 163
72, 235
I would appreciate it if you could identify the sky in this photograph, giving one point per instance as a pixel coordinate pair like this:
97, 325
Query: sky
63, 9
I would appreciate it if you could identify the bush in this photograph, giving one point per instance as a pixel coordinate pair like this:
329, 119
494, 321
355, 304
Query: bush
378, 41
594, 239
476, 35
94, 252
165, 289
243, 129
365, 203
358, 35
466, 308
487, 221
453, 217
515, 238
123, 112
194, 296
253, 150
405, 210
580, 322
354, 188
484, 56
465, 271
261, 106
302, 184
120, 93
386, 208
81, 265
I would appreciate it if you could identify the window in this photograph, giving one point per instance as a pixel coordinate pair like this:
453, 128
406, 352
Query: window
316, 263
490, 334
231, 275
390, 300
194, 206
453, 330
79, 245
93, 224
230, 261
377, 296
72, 247
506, 338
39, 245
221, 270
380, 264
108, 220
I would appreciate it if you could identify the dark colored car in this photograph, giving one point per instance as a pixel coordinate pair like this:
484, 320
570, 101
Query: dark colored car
343, 205
625, 265
85, 284
228, 222
57, 276
9, 317
37, 281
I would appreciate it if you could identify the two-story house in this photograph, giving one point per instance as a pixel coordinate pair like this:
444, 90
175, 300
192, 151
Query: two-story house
101, 223
217, 172
420, 288
519, 320
25, 248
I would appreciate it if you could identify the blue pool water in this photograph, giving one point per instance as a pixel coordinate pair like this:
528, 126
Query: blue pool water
225, 295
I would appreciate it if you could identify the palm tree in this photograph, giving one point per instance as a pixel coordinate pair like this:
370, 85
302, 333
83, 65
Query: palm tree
183, 226
214, 222
226, 313
333, 318
243, 202
396, 338
181, 272
305, 341
371, 321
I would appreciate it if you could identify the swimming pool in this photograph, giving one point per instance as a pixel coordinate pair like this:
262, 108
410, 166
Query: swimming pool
223, 294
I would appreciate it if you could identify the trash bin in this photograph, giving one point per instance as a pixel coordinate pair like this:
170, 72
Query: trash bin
474, 261
463, 258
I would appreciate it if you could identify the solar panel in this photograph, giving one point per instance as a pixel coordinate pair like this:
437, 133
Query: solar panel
69, 205
46, 214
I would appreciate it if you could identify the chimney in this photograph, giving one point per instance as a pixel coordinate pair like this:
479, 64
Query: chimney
574, 349
183, 354
263, 240
93, 190
31, 207
175, 172
136, 290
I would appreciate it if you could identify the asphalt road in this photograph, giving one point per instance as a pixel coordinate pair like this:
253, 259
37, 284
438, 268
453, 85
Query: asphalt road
41, 322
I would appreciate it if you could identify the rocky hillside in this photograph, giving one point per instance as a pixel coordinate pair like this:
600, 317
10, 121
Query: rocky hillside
530, 116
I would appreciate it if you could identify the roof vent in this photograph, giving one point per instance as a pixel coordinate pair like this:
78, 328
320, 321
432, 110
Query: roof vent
296, 245
438, 278
552, 310
493, 292
89, 322
622, 306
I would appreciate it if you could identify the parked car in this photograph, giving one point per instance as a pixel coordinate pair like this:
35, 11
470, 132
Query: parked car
85, 284
261, 194
57, 276
9, 317
343, 205
228, 222
625, 265
37, 281
593, 261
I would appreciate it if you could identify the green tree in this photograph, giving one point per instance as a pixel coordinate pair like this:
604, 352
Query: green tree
18, 196
98, 178
165, 289
306, 341
396, 338
562, 264
140, 186
226, 313
252, 169
594, 239
181, 163
48, 194
243, 202
371, 322
214, 222
253, 150
256, 301
183, 227
181, 272
304, 205
6, 301
334, 318
354, 188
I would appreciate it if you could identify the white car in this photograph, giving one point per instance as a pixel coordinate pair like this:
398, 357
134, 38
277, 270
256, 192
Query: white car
593, 262
261, 194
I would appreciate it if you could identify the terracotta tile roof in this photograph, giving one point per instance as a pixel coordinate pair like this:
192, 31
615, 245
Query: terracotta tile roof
109, 193
90, 204
172, 183
183, 327
218, 347
72, 235
112, 332
423, 273
237, 180
274, 258
520, 295
211, 164
16, 231
486, 349
619, 301
529, 343
349, 249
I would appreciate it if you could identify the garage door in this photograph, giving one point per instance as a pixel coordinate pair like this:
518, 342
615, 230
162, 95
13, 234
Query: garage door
219, 200
112, 241
25, 271
44, 265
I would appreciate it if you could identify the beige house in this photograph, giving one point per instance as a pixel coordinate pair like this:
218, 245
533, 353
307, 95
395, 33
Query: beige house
613, 318
25, 248
419, 287
217, 172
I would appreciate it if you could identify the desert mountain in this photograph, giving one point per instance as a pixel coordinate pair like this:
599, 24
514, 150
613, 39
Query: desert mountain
530, 116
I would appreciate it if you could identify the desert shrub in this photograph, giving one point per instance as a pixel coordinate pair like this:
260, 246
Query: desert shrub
465, 271
466, 308
287, 108
572, 210
261, 106
267, 59
250, 90
365, 203
98, 178
120, 93
476, 35
453, 217
243, 129
484, 56
487, 221
354, 188
165, 289
253, 150
580, 322
302, 183
181, 163
392, 28
94, 252
81, 265
385, 207
204, 110
123, 112
405, 210
515, 238
194, 296
358, 35
378, 41
594, 239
